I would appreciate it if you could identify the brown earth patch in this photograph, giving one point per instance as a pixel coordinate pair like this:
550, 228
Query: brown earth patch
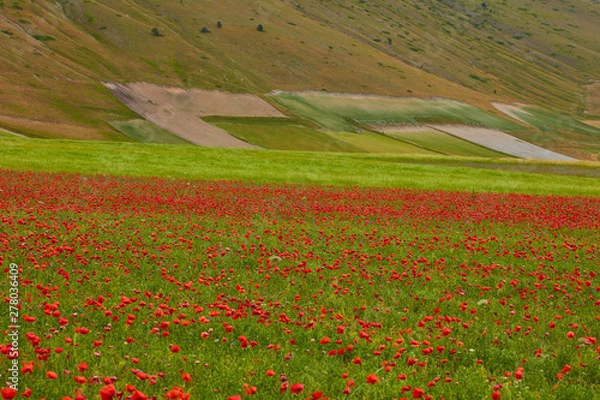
593, 122
180, 111
45, 129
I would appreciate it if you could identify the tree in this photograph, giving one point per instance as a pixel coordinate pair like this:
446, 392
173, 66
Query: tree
204, 30
260, 28
219, 24
156, 32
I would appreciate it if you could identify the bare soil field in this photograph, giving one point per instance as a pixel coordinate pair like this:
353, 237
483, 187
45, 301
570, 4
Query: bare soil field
501, 142
180, 111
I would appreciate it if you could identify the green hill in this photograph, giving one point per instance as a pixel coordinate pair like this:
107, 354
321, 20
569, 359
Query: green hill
55, 56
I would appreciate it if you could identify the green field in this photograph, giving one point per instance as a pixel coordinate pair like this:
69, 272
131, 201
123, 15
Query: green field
379, 144
444, 143
339, 169
143, 131
342, 113
548, 121
287, 137
7, 134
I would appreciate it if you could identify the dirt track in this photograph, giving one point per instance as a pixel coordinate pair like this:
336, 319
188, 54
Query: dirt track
180, 111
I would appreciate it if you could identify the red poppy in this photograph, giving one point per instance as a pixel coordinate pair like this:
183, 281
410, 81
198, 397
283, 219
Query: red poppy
418, 393
8, 393
108, 392
297, 388
372, 379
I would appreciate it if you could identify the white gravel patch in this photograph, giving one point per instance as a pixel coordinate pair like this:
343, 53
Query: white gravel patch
502, 142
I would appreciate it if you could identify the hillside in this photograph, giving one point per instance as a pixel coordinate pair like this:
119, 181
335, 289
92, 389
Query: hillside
56, 55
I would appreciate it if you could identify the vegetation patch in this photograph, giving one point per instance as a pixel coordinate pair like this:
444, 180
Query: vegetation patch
443, 143
344, 112
44, 38
143, 131
549, 121
287, 137
379, 143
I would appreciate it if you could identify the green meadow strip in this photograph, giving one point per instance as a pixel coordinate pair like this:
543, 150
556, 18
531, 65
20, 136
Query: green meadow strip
338, 169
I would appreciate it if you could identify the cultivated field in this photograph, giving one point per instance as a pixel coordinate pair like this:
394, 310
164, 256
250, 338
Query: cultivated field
341, 112
379, 144
180, 111
436, 140
288, 137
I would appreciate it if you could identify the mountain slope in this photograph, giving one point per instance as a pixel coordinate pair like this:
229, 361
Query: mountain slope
56, 54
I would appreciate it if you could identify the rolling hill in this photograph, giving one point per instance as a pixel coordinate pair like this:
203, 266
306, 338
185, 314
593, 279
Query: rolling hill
56, 55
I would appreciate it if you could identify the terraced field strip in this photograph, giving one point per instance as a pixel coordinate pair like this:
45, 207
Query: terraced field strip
438, 141
501, 142
379, 144
342, 112
546, 120
288, 137
180, 111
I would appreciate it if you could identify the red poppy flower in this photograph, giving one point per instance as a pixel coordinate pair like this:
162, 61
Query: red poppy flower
418, 393
372, 379
108, 392
8, 393
297, 388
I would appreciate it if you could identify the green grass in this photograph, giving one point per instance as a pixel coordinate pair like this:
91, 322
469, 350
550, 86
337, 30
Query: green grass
340, 113
548, 121
288, 137
7, 134
444, 143
340, 169
143, 131
379, 144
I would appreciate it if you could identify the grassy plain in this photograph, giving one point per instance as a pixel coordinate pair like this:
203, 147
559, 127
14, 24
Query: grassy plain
338, 169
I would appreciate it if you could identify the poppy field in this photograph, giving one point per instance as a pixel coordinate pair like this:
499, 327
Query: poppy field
155, 288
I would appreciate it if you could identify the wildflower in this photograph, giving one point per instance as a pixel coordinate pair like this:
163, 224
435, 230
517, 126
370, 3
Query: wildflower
297, 388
